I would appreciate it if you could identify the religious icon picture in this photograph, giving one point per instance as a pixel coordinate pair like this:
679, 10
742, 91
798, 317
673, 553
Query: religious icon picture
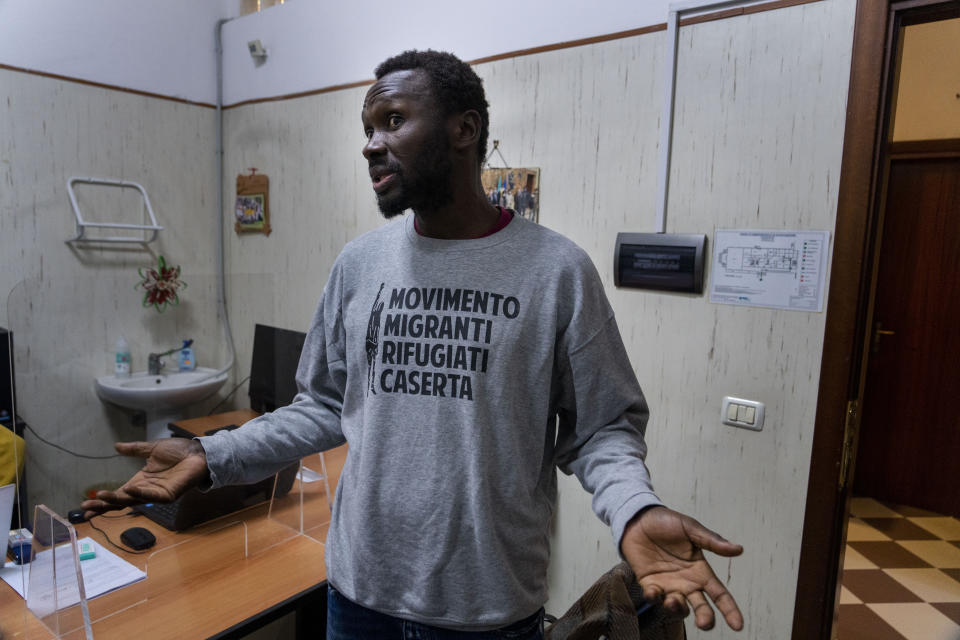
252, 210
514, 188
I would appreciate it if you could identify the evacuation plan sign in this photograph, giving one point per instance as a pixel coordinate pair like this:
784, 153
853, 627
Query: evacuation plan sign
777, 269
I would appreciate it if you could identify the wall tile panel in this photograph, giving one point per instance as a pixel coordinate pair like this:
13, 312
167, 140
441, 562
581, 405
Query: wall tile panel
68, 304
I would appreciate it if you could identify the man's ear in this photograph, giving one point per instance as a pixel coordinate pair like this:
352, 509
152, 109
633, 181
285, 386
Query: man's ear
465, 130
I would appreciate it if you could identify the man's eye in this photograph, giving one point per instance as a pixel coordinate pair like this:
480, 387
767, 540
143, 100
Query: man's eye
394, 121
368, 133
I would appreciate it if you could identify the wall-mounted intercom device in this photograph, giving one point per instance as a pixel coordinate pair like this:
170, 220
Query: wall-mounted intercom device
662, 261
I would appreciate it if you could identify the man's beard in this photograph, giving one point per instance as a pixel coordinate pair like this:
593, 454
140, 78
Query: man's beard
429, 188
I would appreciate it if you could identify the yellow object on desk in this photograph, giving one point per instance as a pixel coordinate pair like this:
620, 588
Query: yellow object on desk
12, 456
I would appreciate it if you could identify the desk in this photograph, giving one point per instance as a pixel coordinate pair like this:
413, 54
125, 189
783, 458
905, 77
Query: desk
200, 426
223, 602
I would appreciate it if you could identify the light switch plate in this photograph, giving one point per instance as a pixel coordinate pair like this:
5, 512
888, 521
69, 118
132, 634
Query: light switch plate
729, 402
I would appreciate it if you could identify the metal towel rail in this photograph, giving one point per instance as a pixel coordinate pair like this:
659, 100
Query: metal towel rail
153, 228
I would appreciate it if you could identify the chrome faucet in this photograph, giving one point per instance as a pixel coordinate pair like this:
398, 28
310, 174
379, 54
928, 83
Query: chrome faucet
154, 363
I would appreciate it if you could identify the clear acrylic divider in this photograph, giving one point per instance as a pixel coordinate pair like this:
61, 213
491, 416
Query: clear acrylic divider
317, 499
172, 567
55, 593
305, 507
14, 616
269, 533
300, 505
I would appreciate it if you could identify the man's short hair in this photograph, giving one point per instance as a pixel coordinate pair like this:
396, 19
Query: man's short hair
455, 86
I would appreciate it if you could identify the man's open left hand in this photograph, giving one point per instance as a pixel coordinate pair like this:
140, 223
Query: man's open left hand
173, 465
665, 550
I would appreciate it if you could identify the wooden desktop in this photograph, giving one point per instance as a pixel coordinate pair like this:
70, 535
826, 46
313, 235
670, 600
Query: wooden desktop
224, 600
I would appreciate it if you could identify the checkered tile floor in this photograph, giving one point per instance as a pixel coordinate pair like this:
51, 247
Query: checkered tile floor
901, 574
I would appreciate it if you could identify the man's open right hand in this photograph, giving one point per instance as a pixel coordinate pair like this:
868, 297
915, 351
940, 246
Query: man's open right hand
173, 465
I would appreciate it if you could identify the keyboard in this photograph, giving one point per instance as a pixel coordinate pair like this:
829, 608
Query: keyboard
163, 514
196, 507
180, 432
229, 427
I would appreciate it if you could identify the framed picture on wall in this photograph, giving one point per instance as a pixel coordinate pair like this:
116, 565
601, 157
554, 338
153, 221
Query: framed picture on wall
252, 207
514, 188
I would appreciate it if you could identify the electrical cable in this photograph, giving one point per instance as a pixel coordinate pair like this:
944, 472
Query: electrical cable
73, 453
115, 545
227, 397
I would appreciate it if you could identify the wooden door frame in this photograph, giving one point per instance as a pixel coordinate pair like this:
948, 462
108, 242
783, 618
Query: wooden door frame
850, 301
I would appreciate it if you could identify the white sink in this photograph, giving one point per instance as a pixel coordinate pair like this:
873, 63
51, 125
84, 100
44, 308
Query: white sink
161, 392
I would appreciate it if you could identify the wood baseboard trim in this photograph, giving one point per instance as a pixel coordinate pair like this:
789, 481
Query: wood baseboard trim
103, 85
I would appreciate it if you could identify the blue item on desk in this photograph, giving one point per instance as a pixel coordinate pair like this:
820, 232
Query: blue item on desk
20, 544
20, 552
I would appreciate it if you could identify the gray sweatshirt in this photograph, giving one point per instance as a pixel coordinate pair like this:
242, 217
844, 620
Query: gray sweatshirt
461, 373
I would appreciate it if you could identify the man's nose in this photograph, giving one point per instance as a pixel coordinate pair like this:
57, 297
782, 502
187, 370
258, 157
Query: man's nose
374, 146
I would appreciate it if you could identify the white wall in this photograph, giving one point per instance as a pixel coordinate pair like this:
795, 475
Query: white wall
308, 41
136, 44
67, 304
314, 45
148, 45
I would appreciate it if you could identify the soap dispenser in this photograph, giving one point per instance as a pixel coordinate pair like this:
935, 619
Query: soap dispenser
186, 359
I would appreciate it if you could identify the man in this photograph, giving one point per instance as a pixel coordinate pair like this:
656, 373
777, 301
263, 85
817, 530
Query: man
486, 382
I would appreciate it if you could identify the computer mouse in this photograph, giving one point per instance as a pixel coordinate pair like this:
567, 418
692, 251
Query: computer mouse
138, 538
75, 516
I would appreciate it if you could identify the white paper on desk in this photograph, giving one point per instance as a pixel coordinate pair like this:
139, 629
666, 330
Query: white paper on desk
102, 574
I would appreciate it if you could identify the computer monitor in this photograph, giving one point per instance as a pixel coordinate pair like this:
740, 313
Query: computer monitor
7, 385
273, 367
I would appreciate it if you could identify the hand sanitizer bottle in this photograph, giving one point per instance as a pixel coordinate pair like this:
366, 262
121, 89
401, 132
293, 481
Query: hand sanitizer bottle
122, 366
187, 361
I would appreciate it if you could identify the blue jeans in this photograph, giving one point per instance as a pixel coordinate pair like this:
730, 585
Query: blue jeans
346, 620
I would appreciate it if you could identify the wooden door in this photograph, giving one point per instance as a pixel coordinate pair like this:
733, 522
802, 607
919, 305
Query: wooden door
910, 430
